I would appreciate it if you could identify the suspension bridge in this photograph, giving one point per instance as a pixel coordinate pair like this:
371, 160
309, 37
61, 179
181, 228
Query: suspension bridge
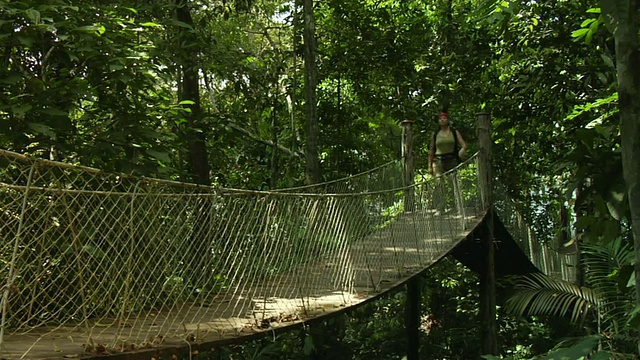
95, 263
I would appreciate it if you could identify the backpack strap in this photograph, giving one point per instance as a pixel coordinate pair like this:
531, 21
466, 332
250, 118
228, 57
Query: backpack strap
455, 139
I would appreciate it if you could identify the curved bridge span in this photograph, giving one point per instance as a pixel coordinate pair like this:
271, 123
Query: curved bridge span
93, 263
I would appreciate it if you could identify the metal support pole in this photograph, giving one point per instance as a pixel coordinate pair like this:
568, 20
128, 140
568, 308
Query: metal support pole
413, 318
489, 327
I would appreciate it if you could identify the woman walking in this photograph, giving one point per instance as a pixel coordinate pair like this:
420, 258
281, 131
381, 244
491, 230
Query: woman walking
446, 151
447, 147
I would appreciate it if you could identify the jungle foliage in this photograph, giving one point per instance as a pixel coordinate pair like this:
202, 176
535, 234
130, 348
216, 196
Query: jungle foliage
213, 92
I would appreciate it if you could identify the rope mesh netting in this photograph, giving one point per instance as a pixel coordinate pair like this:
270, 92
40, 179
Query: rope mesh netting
98, 263
545, 257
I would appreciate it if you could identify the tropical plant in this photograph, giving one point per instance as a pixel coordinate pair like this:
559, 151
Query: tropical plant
539, 294
571, 349
605, 307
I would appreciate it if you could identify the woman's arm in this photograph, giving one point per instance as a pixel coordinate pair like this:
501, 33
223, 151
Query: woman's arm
463, 145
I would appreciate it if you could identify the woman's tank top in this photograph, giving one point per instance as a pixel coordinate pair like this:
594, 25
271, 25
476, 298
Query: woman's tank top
445, 144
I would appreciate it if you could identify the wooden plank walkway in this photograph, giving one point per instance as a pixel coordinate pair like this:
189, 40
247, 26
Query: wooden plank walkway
366, 269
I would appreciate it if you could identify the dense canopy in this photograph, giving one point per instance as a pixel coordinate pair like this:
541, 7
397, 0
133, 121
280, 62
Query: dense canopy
218, 93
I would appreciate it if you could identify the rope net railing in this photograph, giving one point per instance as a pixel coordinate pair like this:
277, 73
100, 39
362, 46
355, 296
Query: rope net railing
97, 263
544, 256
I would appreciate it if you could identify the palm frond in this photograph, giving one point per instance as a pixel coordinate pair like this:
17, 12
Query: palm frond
603, 265
602, 261
538, 294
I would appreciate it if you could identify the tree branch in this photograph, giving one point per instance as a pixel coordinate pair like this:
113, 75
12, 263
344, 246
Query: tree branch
253, 137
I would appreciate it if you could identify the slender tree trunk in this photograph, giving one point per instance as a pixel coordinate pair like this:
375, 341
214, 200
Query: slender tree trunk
447, 38
198, 268
578, 237
190, 90
310, 81
274, 139
623, 21
293, 100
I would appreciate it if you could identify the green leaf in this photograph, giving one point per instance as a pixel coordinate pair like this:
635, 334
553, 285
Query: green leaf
593, 28
585, 221
21, 109
607, 60
150, 24
186, 102
602, 77
88, 28
25, 40
181, 24
579, 33
538, 294
634, 317
600, 355
53, 112
33, 15
11, 79
587, 22
308, 345
72, 56
616, 199
588, 38
42, 129
162, 156
626, 273
576, 351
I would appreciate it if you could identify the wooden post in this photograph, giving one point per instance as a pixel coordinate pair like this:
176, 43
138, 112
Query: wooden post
488, 324
412, 323
407, 161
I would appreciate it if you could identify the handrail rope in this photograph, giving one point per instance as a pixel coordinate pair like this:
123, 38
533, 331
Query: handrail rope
225, 191
91, 170
337, 180
144, 179
169, 182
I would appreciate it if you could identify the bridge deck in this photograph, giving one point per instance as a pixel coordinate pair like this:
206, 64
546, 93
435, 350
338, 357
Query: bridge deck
369, 267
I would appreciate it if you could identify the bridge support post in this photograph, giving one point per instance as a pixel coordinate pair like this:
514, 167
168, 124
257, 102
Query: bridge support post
407, 163
412, 323
489, 326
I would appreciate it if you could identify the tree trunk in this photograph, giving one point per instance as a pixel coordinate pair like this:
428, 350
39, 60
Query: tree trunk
274, 139
190, 90
293, 101
310, 80
198, 268
578, 237
622, 16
